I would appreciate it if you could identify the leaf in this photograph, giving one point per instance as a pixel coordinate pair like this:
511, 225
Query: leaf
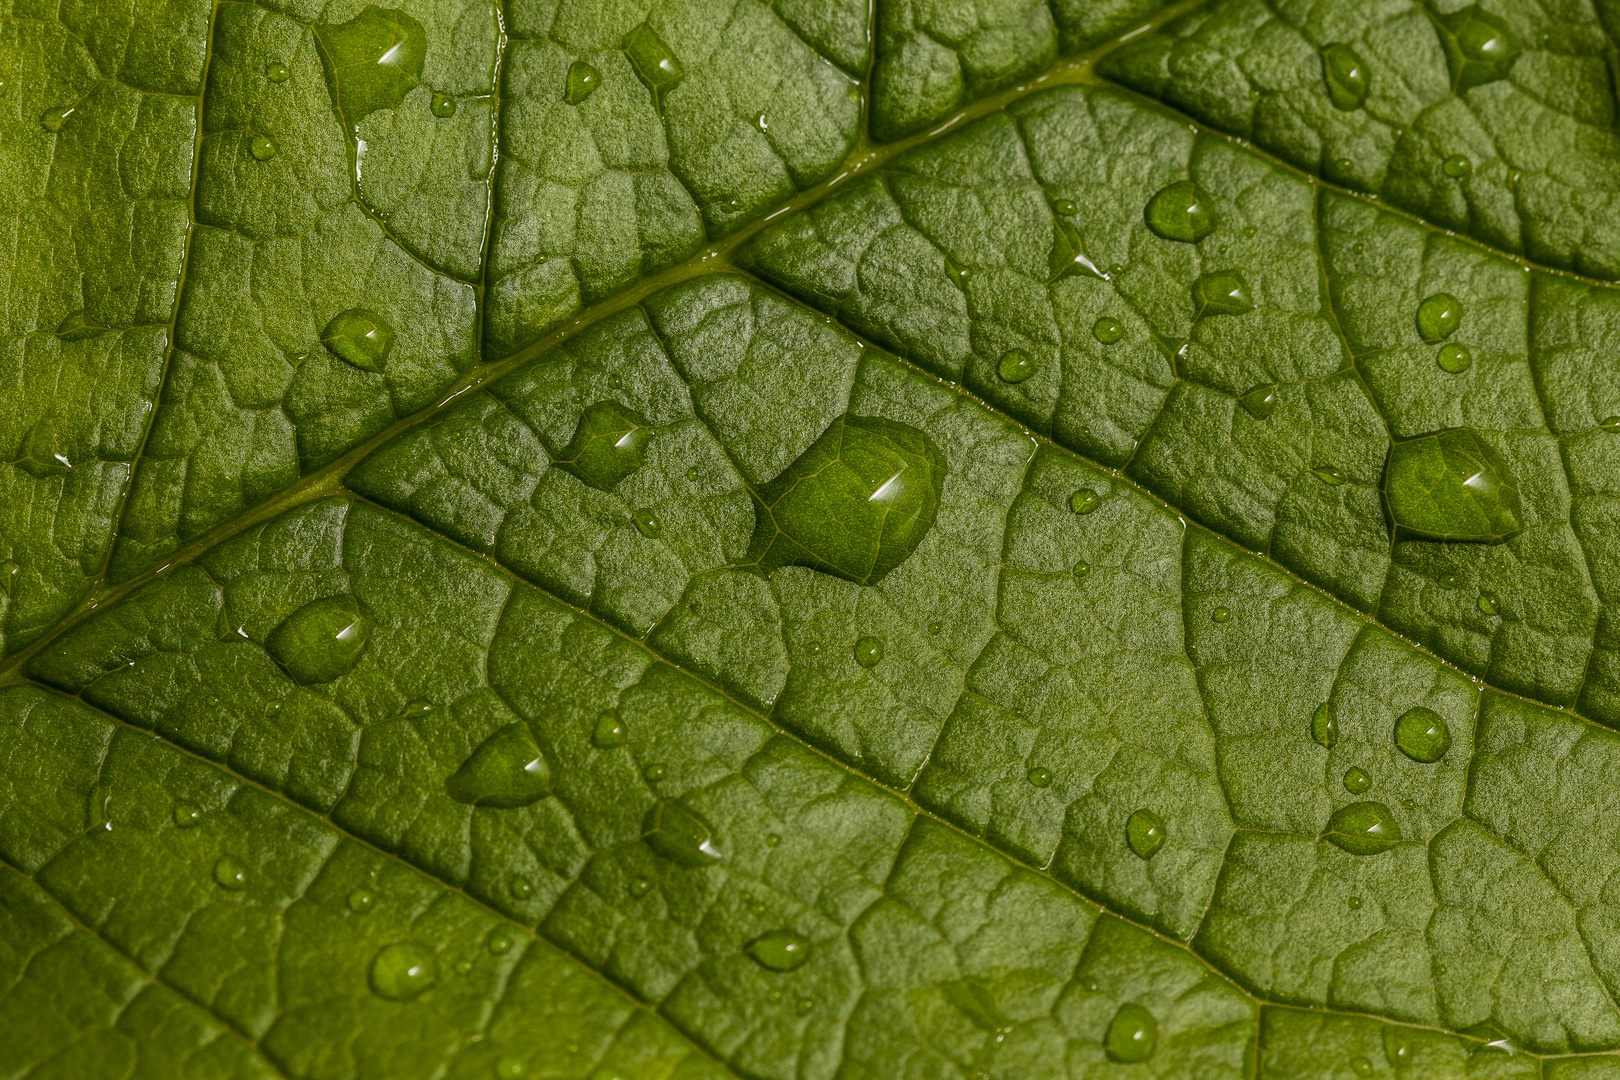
796, 540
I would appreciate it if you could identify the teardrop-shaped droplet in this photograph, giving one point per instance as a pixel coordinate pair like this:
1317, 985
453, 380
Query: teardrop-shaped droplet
1325, 725
359, 337
583, 79
1487, 605
652, 59
229, 873
43, 455
1145, 833
608, 732
1222, 292
681, 835
520, 887
1421, 734
373, 60
1084, 501
1610, 423
647, 523
1346, 77
505, 771
262, 147
1356, 781
1107, 329
1329, 475
443, 106
1397, 1047
1180, 212
321, 640
1450, 485
53, 119
1065, 207
362, 901
780, 950
186, 815
1479, 47
1132, 1034
277, 71
610, 442
1015, 366
1040, 776
1454, 358
868, 651
1438, 317
403, 970
1260, 402
1363, 828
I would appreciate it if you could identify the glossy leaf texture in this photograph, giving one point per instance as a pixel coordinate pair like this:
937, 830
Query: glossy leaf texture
808, 540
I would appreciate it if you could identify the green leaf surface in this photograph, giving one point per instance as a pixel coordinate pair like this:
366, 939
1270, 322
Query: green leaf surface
808, 540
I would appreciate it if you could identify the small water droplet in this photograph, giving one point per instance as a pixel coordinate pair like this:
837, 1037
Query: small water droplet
1329, 475
1065, 207
1180, 212
1363, 828
1107, 329
803, 1006
1132, 1034
504, 772
361, 901
43, 456
277, 71
609, 731
521, 888
443, 106
1325, 725
772, 840
1397, 1048
1356, 781
321, 640
359, 337
262, 147
1015, 366
186, 815
692, 473
1361, 1066
1082, 570
1610, 423
647, 523
936, 627
1222, 292
403, 970
1457, 166
1221, 614
1454, 358
510, 1068
1438, 317
583, 79
53, 119
1040, 776
780, 950
654, 773
681, 835
1260, 402
1084, 501
868, 651
463, 967
652, 59
1145, 833
499, 942
1354, 903
230, 874
1346, 77
1421, 734
1487, 606
639, 887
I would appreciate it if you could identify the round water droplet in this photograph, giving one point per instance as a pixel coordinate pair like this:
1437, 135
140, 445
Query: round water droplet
403, 970
1084, 501
803, 1006
772, 840
510, 1068
1082, 570
609, 731
1346, 77
1456, 166
1356, 781
186, 815
499, 942
443, 106
1329, 475
1132, 1034
780, 950
681, 835
1180, 212
639, 887
1354, 903
1454, 358
1260, 402
1397, 1048
1222, 292
1145, 833
654, 773
868, 651
1361, 1066
229, 873
936, 627
505, 771
1040, 776
1438, 317
359, 337
1487, 606
1421, 734
647, 523
277, 71
1107, 329
1610, 423
1015, 366
361, 901
321, 640
1363, 828
262, 147
463, 967
521, 888
692, 473
53, 119
1221, 614
1325, 725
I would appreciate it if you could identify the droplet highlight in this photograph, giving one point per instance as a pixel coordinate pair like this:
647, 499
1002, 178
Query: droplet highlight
1421, 734
868, 651
403, 970
1133, 1034
505, 771
322, 640
186, 815
1363, 828
681, 835
277, 72
521, 888
780, 950
53, 119
1180, 212
359, 337
1438, 317
1221, 614
1145, 833
653, 60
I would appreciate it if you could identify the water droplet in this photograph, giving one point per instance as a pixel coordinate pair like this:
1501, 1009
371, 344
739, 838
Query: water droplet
359, 337
1107, 329
639, 887
277, 71
652, 59
1610, 423
1145, 833
856, 504
1040, 776
521, 888
443, 106
1449, 581
1449, 485
1421, 734
1397, 1048
1356, 781
1361, 1066
1325, 725
505, 771
1221, 614
1363, 828
53, 119
803, 1006
1082, 570
230, 874
1487, 606
681, 835
936, 627
42, 455
1132, 1034
654, 773
1479, 47
186, 815
262, 147
1180, 212
1355, 903
1346, 77
499, 942
609, 732
1456, 166
1221, 292
868, 651
510, 1068
1454, 358
647, 524
373, 60
403, 970
610, 442
1329, 475
75, 327
1260, 402
1016, 365
321, 640
583, 79
463, 967
1438, 317
772, 840
1084, 501
780, 950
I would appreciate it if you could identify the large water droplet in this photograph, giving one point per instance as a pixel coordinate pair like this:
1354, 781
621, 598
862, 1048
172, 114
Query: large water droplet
229, 873
1438, 317
359, 337
1356, 781
321, 640
1346, 77
262, 147
403, 970
443, 106
1039, 776
42, 454
1456, 166
1084, 501
647, 523
1107, 329
361, 901
505, 771
277, 71
1325, 725
1487, 606
1479, 47
1454, 358
681, 835
1421, 734
1329, 475
1132, 1034
1145, 833
1221, 292
1610, 423
608, 732
373, 60
868, 651
1449, 485
610, 442
53, 119
855, 504
583, 79
780, 950
1363, 828
1015, 366
1180, 212
652, 59
1260, 402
